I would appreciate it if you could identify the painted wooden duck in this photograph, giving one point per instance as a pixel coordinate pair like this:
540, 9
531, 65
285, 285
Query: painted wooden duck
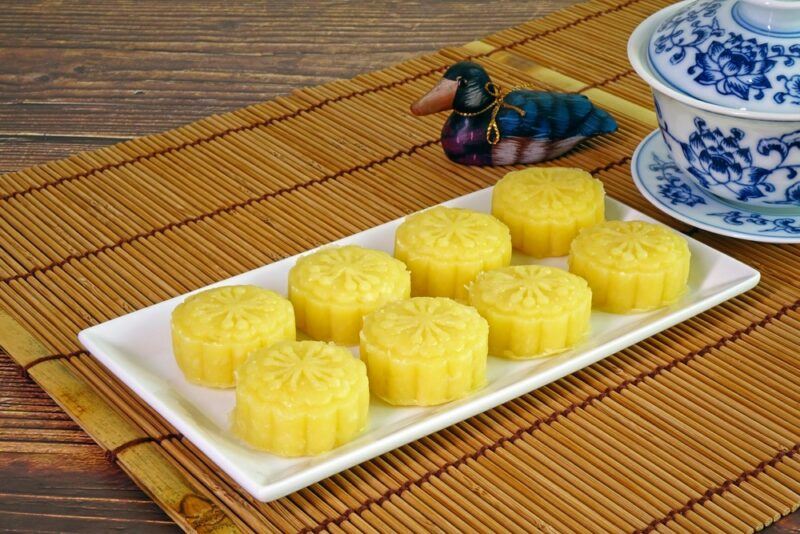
488, 127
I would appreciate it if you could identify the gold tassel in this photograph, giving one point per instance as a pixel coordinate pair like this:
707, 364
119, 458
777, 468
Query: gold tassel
493, 131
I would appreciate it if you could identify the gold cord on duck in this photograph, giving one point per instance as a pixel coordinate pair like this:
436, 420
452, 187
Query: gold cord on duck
492, 130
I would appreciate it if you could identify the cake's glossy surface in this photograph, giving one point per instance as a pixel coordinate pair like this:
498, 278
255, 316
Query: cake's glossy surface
424, 351
545, 207
445, 248
300, 398
631, 265
532, 310
214, 331
333, 288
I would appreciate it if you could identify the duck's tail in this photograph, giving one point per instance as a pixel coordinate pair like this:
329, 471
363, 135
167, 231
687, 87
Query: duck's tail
597, 122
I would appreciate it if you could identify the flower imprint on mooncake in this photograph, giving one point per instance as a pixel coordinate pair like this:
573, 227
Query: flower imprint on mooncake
299, 398
424, 351
350, 273
633, 246
554, 192
634, 243
631, 266
348, 268
530, 289
428, 321
443, 231
235, 312
291, 368
320, 371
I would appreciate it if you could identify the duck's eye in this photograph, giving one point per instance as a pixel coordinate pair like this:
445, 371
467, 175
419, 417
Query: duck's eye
460, 80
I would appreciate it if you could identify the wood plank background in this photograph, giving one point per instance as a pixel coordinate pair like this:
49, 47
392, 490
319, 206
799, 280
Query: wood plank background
81, 75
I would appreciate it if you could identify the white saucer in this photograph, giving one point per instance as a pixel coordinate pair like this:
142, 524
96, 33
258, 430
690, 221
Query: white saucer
664, 185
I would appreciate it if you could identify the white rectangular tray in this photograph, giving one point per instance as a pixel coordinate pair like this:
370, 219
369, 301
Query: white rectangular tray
137, 348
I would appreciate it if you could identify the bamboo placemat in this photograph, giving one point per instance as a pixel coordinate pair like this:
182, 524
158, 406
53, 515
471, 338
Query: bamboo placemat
695, 429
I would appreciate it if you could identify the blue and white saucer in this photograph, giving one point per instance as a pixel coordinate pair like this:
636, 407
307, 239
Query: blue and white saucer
664, 185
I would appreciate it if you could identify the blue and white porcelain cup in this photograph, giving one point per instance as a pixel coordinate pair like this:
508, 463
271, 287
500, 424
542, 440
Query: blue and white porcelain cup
725, 76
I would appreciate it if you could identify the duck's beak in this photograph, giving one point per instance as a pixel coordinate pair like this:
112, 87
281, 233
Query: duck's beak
437, 99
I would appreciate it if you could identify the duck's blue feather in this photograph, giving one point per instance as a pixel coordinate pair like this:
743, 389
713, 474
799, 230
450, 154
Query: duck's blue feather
552, 116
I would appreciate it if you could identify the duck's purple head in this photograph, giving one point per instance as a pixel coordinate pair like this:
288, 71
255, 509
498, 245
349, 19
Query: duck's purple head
463, 88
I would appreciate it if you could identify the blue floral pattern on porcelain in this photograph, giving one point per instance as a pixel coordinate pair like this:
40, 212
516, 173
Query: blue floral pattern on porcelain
709, 52
663, 182
780, 224
720, 163
674, 189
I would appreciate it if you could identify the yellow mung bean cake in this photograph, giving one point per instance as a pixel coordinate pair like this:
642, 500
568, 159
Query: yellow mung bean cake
333, 288
214, 331
545, 207
532, 310
631, 265
424, 351
445, 248
300, 398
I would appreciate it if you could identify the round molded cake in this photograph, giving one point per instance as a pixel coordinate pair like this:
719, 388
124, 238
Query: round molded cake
424, 351
445, 248
631, 265
532, 310
214, 331
545, 207
300, 398
333, 288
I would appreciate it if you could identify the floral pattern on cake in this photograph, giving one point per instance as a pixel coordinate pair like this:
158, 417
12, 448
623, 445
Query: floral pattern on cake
300, 398
554, 192
453, 232
634, 242
296, 366
348, 268
530, 289
427, 321
232, 312
349, 273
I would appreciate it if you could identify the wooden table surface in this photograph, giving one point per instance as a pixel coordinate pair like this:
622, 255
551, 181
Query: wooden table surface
82, 75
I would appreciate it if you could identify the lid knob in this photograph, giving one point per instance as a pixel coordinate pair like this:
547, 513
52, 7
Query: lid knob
776, 18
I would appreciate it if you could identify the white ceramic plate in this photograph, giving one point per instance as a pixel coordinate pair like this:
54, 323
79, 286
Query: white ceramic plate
136, 348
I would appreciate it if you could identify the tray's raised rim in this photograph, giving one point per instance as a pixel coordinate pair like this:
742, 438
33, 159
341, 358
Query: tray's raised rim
339, 461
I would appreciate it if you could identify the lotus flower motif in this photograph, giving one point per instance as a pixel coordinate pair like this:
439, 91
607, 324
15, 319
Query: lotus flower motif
741, 66
720, 161
736, 66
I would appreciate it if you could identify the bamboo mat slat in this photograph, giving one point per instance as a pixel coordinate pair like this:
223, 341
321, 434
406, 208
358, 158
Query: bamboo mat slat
693, 430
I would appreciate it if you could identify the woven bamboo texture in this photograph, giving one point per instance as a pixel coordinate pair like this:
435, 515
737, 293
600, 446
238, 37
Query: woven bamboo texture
696, 429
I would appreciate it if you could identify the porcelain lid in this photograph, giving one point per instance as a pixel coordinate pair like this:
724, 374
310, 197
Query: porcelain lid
742, 54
